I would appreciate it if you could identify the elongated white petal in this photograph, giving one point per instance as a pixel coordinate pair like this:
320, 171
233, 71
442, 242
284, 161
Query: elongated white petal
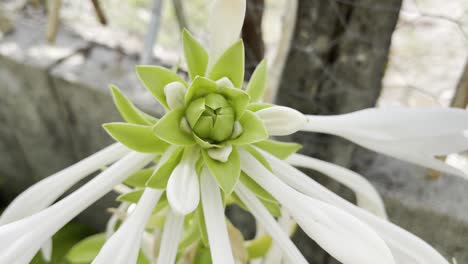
221, 154
25, 237
124, 245
406, 247
225, 24
319, 220
275, 255
213, 210
183, 189
269, 223
367, 196
46, 250
413, 135
175, 93
281, 120
173, 228
45, 192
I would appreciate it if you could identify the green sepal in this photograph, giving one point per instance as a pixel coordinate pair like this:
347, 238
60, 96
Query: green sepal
155, 78
259, 247
230, 65
191, 235
206, 144
253, 130
200, 86
254, 107
139, 178
226, 173
128, 110
169, 130
273, 207
257, 83
202, 225
137, 137
203, 255
281, 150
160, 177
237, 98
256, 188
195, 55
131, 197
258, 156
194, 111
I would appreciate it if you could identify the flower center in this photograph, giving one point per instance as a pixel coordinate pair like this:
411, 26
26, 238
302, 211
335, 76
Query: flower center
211, 117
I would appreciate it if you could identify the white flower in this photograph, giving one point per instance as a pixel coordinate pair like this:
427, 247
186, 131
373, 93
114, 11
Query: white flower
281, 121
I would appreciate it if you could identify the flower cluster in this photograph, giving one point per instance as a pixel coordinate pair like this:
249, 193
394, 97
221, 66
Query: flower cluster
212, 148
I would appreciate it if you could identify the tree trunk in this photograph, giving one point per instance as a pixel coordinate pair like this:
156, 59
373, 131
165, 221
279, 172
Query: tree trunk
252, 35
335, 65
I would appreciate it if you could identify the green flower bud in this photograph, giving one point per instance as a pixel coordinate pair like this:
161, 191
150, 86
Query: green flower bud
211, 117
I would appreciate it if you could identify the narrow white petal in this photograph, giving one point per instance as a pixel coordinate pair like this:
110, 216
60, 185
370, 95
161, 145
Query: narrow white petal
175, 93
183, 189
31, 232
406, 247
367, 196
225, 24
220, 154
213, 210
281, 120
124, 245
275, 255
319, 220
173, 228
46, 250
269, 223
390, 123
45, 192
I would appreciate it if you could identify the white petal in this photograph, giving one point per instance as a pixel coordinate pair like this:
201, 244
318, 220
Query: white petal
213, 210
220, 154
183, 189
124, 245
173, 228
175, 93
274, 255
367, 196
224, 83
27, 235
414, 135
388, 123
329, 226
269, 223
45, 192
46, 250
225, 24
281, 121
404, 245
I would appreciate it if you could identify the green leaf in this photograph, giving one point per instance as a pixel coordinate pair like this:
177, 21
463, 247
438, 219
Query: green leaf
155, 78
253, 130
128, 110
86, 250
256, 188
131, 197
160, 177
139, 178
137, 137
230, 65
226, 173
281, 150
257, 83
195, 55
202, 225
237, 98
199, 87
259, 247
168, 129
254, 107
